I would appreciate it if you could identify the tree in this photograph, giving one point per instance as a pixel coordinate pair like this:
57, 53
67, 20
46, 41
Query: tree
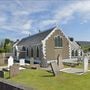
8, 45
89, 49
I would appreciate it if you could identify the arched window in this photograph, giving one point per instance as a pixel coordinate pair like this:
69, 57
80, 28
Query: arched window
58, 41
76, 53
31, 52
23, 48
37, 52
72, 52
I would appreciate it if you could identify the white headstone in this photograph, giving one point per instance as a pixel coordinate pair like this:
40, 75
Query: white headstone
22, 62
85, 64
10, 61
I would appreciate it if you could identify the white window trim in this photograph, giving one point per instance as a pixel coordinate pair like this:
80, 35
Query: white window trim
44, 42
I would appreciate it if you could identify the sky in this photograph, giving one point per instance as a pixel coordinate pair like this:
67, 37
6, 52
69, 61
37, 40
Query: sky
21, 18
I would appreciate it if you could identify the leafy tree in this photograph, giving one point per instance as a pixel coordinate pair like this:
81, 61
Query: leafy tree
89, 49
6, 46
2, 50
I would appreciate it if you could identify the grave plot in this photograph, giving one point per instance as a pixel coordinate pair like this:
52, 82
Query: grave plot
77, 70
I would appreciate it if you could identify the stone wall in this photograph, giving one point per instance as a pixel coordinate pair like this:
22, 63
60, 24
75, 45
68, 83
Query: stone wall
52, 52
8, 85
4, 57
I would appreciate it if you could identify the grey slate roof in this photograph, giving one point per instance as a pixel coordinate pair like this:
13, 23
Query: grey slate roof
35, 39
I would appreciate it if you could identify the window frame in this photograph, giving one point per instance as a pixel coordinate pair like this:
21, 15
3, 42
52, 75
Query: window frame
58, 44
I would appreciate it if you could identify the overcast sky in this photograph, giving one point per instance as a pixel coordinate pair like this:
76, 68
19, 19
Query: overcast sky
19, 18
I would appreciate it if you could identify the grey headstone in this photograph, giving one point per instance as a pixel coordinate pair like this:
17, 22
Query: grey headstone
44, 63
55, 68
2, 74
59, 62
31, 61
14, 70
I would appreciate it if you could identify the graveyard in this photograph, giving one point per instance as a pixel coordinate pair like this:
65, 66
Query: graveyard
52, 79
42, 80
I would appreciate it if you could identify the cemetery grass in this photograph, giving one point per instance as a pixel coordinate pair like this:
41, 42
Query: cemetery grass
43, 80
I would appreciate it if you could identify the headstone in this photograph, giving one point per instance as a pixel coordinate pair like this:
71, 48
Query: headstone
32, 61
85, 64
55, 68
14, 70
22, 62
10, 61
44, 63
1, 74
59, 62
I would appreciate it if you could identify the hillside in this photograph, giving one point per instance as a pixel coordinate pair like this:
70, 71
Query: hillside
85, 45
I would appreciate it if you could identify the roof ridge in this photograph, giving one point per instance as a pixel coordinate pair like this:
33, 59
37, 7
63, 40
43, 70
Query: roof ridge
37, 37
43, 31
39, 33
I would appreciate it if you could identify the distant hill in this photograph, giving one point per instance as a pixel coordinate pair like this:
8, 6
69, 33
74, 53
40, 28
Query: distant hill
83, 43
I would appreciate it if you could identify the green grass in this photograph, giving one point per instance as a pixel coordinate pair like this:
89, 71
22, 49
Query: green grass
43, 80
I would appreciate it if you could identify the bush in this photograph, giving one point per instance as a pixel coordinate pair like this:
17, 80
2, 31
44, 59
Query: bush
2, 50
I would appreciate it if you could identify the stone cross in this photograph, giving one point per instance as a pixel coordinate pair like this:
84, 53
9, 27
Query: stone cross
55, 68
85, 62
22, 62
10, 61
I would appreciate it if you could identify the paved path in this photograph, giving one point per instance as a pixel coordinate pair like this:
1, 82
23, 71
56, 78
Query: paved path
73, 70
1, 67
76, 71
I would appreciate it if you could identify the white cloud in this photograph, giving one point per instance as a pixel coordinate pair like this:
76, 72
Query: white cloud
65, 14
19, 20
21, 10
19, 13
27, 25
47, 22
26, 32
2, 20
